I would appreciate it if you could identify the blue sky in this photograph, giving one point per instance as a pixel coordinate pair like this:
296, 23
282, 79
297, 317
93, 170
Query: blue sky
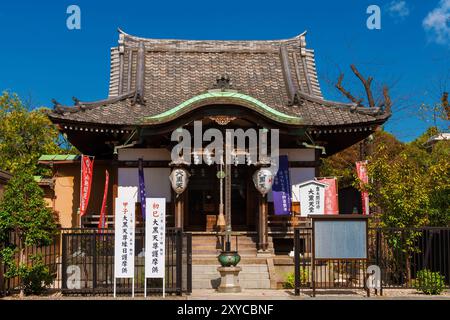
41, 59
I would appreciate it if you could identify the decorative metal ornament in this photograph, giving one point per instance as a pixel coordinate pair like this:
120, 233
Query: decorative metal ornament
179, 178
222, 120
263, 180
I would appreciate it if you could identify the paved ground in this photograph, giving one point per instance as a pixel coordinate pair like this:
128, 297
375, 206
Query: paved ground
255, 294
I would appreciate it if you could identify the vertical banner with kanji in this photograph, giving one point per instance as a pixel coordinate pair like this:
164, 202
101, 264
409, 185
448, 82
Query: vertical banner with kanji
142, 193
87, 166
331, 196
361, 170
155, 236
281, 189
124, 237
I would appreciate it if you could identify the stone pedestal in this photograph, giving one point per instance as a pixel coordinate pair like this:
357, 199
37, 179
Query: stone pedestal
229, 279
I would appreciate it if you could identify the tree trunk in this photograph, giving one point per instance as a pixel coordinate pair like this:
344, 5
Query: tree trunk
22, 262
408, 268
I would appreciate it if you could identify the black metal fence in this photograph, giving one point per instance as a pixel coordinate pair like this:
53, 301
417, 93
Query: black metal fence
82, 262
399, 252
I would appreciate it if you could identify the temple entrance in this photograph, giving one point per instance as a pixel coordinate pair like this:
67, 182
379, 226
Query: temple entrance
203, 197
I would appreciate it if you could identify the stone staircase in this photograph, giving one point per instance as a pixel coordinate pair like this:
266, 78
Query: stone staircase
205, 249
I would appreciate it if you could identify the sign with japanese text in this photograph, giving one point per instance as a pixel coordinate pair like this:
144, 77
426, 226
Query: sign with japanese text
155, 236
124, 237
331, 196
312, 198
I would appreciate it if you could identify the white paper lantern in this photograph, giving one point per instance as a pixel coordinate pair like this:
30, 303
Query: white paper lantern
179, 179
263, 180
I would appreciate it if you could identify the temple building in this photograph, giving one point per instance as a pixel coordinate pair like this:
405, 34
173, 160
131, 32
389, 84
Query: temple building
157, 86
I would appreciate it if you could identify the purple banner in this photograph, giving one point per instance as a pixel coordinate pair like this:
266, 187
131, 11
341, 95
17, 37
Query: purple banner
281, 189
142, 194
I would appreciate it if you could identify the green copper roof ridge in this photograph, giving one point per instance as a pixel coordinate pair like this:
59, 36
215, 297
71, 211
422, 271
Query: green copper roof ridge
227, 94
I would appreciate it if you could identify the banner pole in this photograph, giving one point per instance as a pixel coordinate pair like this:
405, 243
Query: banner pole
145, 287
164, 284
132, 288
114, 287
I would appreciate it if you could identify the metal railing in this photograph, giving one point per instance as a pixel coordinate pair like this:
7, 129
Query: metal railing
399, 252
82, 262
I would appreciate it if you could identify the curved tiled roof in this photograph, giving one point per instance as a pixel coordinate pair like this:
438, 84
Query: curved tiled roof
151, 76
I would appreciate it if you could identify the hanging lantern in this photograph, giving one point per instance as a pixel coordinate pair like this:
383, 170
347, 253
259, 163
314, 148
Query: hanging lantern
179, 178
263, 180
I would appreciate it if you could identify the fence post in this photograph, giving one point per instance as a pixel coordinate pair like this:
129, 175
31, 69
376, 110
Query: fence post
64, 262
297, 260
189, 262
94, 261
179, 264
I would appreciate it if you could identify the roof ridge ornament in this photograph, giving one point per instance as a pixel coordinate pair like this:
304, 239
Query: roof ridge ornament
140, 75
223, 82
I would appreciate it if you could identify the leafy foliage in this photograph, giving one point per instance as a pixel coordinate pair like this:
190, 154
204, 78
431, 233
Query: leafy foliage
25, 135
35, 276
429, 282
23, 212
290, 278
410, 183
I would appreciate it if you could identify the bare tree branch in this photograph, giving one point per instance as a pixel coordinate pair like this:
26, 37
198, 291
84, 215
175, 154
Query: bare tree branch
384, 103
366, 83
345, 92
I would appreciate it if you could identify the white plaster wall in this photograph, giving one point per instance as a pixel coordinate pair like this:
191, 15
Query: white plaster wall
132, 154
297, 175
157, 182
299, 154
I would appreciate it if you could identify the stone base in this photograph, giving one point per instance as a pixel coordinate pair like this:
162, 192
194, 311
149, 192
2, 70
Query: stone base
229, 279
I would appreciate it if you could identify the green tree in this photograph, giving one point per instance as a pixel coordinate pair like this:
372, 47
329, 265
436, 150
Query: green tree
23, 211
25, 135
342, 164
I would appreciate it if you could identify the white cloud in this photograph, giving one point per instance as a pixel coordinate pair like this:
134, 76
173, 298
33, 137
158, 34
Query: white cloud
437, 23
398, 9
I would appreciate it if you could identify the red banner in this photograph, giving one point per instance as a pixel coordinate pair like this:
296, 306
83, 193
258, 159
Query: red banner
87, 166
102, 221
361, 170
331, 196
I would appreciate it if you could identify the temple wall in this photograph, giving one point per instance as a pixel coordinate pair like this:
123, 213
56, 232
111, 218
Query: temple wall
298, 175
157, 182
66, 197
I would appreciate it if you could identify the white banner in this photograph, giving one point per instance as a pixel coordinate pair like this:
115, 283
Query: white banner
155, 237
124, 238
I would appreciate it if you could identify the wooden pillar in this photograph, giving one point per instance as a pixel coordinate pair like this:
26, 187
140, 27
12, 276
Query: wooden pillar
262, 224
179, 210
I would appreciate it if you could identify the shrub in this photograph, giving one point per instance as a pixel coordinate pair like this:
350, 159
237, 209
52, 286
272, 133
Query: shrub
34, 277
290, 279
429, 282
